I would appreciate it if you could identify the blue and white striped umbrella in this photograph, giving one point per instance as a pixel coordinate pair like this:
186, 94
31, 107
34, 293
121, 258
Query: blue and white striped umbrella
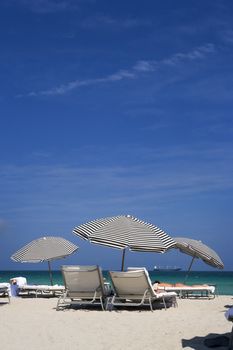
198, 250
45, 249
125, 231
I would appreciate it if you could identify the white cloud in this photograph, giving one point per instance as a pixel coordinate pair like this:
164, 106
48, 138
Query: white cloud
145, 66
141, 67
46, 6
228, 36
101, 20
157, 173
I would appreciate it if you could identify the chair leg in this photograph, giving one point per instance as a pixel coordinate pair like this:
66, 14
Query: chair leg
58, 303
164, 303
151, 306
63, 296
174, 301
109, 305
102, 305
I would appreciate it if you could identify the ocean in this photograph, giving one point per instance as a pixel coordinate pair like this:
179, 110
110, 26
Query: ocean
222, 279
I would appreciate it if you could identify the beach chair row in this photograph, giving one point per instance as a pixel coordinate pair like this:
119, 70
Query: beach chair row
84, 285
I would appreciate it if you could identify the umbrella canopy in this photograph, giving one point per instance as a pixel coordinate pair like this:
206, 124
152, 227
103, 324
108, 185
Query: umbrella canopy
45, 249
125, 231
197, 249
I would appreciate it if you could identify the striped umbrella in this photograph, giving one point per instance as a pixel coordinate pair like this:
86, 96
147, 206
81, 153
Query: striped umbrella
45, 249
125, 231
197, 249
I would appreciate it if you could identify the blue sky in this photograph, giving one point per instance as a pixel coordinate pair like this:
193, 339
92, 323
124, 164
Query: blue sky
108, 108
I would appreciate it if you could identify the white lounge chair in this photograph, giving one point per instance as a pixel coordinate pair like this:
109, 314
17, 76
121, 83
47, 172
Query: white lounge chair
41, 289
19, 286
134, 288
83, 285
204, 291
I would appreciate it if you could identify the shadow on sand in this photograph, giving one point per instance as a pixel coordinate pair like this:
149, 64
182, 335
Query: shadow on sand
212, 340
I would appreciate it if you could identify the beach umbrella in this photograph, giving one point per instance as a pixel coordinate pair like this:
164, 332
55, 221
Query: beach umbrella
198, 250
125, 231
45, 249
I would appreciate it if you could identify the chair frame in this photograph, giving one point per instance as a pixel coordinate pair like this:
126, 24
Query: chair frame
130, 299
79, 296
195, 292
41, 290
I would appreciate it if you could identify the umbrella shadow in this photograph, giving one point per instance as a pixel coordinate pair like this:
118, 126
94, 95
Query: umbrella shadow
87, 308
212, 340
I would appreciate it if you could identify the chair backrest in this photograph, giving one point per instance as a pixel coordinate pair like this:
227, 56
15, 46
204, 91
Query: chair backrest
136, 268
133, 282
83, 279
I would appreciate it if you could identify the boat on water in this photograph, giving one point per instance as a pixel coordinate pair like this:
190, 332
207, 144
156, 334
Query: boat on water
167, 268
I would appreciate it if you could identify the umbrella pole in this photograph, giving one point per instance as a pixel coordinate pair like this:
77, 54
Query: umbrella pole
50, 273
123, 260
187, 274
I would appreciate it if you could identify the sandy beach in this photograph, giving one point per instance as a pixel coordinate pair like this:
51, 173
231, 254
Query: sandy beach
30, 323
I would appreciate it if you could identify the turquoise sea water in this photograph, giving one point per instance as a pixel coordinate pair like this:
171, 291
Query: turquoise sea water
222, 279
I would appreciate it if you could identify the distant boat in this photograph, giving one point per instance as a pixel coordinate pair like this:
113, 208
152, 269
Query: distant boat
167, 268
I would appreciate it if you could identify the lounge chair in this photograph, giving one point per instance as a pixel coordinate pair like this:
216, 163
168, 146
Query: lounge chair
41, 289
84, 285
20, 287
5, 291
134, 288
185, 291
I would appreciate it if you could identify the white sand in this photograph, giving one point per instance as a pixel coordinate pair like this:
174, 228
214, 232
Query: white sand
33, 324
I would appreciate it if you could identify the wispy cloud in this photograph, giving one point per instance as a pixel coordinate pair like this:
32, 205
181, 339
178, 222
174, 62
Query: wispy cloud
46, 6
158, 175
101, 20
195, 54
227, 36
41, 155
65, 88
141, 67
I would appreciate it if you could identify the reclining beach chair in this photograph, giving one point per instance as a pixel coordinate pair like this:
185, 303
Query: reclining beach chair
83, 285
5, 290
200, 291
41, 289
134, 288
20, 287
